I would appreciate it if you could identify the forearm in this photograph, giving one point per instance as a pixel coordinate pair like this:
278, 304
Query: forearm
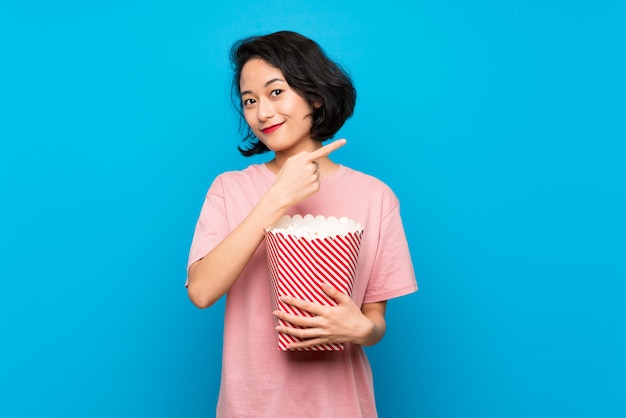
373, 330
212, 276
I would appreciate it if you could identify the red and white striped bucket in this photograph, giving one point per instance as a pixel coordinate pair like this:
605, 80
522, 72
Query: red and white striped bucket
304, 253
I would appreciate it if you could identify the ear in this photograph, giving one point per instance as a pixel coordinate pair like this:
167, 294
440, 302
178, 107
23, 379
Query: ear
317, 104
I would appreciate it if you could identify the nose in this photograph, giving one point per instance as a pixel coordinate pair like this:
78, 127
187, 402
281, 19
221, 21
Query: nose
265, 110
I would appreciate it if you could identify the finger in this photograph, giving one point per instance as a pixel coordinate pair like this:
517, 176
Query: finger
292, 321
334, 293
304, 305
304, 334
316, 167
307, 343
302, 331
327, 149
304, 342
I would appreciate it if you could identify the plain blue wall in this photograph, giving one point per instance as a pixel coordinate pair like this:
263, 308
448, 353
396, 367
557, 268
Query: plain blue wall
500, 125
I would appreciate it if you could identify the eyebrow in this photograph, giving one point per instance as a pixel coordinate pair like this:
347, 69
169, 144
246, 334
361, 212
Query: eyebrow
267, 83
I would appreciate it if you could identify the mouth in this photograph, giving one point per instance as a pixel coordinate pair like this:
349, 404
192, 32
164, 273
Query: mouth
271, 129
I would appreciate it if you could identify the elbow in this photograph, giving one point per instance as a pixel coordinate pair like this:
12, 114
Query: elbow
198, 298
374, 335
201, 290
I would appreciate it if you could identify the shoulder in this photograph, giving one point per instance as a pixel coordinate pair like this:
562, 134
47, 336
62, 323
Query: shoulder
238, 181
367, 181
357, 188
252, 171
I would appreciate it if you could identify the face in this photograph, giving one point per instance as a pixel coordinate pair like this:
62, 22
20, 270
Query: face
279, 117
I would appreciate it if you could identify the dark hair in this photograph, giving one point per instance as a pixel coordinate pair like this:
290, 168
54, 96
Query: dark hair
308, 71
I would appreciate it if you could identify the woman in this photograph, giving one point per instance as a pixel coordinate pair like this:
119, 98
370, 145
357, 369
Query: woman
293, 97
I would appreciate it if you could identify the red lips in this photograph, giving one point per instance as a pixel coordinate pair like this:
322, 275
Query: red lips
271, 129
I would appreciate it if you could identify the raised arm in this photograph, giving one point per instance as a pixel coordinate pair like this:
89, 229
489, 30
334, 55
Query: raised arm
212, 276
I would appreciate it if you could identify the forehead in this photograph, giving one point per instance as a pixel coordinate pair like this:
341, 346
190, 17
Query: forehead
256, 73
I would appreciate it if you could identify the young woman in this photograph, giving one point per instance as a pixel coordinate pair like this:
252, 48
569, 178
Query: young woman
293, 97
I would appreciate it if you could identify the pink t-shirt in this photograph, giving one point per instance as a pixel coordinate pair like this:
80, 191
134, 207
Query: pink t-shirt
258, 379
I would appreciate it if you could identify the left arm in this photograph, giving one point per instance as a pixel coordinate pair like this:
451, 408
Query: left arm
375, 312
335, 324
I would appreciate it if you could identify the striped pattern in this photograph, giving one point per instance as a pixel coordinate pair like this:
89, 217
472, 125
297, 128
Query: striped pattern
299, 267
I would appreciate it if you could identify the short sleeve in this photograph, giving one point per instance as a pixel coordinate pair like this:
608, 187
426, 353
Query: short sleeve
212, 226
392, 274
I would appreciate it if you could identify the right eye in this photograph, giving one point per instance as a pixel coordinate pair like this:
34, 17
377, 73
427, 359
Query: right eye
248, 102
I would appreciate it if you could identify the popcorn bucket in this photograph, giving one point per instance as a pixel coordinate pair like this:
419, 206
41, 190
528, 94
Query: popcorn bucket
304, 253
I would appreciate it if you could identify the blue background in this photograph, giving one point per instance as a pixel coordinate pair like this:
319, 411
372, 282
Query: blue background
500, 125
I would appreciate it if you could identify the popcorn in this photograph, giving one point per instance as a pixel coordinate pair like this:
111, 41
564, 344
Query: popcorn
306, 252
310, 227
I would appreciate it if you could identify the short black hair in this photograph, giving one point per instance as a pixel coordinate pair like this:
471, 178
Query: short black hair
308, 71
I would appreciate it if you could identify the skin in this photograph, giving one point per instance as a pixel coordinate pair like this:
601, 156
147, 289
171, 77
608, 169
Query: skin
281, 119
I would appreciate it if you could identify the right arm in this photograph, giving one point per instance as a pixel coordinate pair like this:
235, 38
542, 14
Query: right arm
212, 276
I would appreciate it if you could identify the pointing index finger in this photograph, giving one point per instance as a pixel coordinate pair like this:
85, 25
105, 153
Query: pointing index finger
327, 149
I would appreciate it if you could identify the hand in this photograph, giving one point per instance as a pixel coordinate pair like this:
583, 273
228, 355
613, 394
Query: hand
330, 324
299, 176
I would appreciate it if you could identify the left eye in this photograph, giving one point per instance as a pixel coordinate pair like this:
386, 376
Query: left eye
276, 92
